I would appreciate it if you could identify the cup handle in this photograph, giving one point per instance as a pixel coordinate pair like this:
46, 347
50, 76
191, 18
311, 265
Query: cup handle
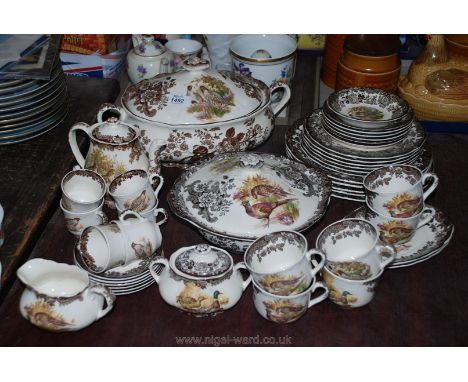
161, 182
109, 106
321, 297
159, 260
73, 143
387, 248
164, 212
104, 219
108, 296
284, 100
428, 213
246, 282
317, 266
435, 183
132, 213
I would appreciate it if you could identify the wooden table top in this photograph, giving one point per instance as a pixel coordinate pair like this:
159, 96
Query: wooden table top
421, 305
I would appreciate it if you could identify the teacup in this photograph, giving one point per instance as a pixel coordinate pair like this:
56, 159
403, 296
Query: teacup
133, 190
397, 191
281, 264
151, 214
398, 231
97, 252
350, 293
286, 309
82, 190
352, 249
76, 222
183, 49
266, 57
142, 237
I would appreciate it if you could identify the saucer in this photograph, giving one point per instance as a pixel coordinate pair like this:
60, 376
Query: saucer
428, 241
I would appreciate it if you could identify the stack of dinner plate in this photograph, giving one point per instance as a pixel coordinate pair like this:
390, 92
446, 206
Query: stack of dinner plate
327, 139
29, 108
126, 279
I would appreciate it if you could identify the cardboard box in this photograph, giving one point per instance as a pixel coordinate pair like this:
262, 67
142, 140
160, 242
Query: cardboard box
111, 65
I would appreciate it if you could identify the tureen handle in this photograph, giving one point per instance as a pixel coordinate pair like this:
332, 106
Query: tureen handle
108, 296
160, 260
317, 265
247, 281
284, 100
73, 143
121, 115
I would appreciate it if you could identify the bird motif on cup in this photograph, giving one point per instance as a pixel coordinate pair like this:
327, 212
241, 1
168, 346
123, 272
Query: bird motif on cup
73, 224
142, 249
139, 204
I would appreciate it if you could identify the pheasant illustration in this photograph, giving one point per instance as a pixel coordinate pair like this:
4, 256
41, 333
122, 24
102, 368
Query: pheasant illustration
263, 210
267, 200
138, 204
73, 224
142, 251
284, 286
267, 190
403, 206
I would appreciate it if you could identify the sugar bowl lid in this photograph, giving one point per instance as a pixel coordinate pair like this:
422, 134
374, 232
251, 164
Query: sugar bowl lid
114, 131
201, 261
195, 96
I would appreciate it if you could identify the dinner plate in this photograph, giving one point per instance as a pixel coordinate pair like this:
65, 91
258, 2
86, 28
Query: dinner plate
427, 241
33, 87
247, 195
346, 177
15, 86
388, 131
29, 136
309, 144
414, 140
23, 131
48, 116
33, 99
27, 112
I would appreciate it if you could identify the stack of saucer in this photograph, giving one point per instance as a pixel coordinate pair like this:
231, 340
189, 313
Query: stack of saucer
29, 108
126, 279
358, 130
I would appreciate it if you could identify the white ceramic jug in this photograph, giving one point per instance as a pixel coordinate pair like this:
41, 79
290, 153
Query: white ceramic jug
59, 297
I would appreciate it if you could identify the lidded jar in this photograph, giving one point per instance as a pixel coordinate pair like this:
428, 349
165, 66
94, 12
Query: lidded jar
200, 279
147, 58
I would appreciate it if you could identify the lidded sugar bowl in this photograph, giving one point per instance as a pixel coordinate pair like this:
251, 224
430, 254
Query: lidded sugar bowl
200, 279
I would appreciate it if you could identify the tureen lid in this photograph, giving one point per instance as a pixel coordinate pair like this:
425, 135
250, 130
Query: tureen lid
114, 131
147, 46
247, 195
201, 261
195, 96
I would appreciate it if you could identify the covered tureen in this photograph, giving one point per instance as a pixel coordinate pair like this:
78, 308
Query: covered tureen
200, 112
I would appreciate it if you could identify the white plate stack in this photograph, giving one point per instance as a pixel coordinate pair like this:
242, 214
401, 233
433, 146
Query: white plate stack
30, 108
358, 130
